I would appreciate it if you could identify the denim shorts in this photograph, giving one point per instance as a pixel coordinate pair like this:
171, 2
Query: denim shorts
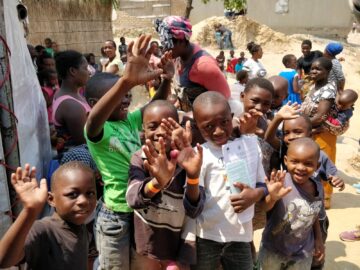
112, 235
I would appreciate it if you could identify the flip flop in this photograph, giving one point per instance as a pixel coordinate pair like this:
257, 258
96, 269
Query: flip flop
350, 236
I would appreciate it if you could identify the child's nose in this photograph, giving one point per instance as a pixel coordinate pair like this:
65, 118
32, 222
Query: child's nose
218, 131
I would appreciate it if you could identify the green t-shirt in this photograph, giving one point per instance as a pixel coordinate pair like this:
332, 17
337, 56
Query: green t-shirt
112, 156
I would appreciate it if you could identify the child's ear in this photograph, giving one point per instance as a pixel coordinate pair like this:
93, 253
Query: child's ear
285, 160
72, 71
51, 200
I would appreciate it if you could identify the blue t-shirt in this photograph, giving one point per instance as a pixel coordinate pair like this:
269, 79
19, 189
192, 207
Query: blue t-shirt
289, 226
289, 75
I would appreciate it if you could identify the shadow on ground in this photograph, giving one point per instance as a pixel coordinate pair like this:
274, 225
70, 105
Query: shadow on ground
338, 251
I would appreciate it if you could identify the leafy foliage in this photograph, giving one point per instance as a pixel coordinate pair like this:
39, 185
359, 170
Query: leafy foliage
231, 4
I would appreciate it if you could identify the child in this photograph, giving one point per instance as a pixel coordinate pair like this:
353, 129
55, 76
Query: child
221, 232
122, 47
112, 135
221, 60
291, 75
292, 231
49, 85
156, 188
280, 92
59, 241
236, 89
338, 120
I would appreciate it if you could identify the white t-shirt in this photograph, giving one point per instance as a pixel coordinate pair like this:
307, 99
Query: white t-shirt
254, 68
218, 221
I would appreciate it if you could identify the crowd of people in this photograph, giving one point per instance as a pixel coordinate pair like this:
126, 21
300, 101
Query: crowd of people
183, 181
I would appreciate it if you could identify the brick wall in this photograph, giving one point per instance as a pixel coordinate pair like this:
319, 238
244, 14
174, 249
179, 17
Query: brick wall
73, 24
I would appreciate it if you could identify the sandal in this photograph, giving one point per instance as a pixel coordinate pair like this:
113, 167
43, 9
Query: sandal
350, 236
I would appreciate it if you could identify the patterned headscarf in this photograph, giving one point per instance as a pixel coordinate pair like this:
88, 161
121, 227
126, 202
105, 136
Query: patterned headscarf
172, 27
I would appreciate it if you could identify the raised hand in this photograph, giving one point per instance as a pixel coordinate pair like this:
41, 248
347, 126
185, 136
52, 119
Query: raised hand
275, 185
32, 195
180, 137
191, 160
167, 65
289, 111
336, 182
248, 121
158, 164
137, 70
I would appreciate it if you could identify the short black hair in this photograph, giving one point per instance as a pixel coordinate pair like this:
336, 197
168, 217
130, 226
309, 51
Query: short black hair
112, 42
88, 55
99, 84
40, 59
287, 58
260, 82
324, 62
209, 98
39, 48
154, 42
162, 103
307, 42
70, 166
253, 47
242, 74
66, 60
308, 142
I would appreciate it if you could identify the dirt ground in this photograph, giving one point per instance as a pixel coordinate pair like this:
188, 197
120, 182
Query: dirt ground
345, 211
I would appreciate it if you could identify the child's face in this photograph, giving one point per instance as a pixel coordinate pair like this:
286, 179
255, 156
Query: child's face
342, 105
257, 98
305, 49
292, 63
242, 54
294, 129
82, 73
53, 80
74, 195
121, 110
215, 123
48, 63
153, 130
280, 93
301, 163
318, 72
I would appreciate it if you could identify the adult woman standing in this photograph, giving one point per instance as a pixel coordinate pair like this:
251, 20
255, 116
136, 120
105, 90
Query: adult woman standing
196, 70
69, 107
114, 65
317, 105
253, 65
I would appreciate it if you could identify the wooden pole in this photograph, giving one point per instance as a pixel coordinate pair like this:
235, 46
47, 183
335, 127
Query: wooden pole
8, 127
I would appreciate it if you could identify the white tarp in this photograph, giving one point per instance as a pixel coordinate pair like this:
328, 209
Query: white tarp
29, 103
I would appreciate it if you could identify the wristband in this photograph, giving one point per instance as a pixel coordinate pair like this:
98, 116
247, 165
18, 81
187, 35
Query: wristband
152, 188
190, 181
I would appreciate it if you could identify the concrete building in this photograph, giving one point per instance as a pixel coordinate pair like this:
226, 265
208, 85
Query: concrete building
328, 18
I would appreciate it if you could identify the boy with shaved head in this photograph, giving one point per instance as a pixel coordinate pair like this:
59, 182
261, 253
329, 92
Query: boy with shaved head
61, 240
292, 233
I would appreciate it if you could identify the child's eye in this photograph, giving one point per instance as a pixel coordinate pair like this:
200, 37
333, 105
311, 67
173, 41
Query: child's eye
91, 193
72, 195
209, 127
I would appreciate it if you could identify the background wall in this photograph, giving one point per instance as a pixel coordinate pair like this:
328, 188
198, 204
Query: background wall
73, 24
319, 17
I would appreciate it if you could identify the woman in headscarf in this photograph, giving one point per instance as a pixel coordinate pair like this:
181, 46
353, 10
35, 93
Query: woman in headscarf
196, 70
336, 74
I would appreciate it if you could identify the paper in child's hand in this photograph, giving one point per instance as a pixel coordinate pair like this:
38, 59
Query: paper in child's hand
237, 171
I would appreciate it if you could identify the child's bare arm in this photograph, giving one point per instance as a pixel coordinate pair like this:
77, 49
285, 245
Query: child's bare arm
319, 249
33, 198
288, 111
247, 197
136, 72
295, 84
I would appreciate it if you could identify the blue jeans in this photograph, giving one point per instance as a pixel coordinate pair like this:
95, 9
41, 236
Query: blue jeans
112, 236
232, 255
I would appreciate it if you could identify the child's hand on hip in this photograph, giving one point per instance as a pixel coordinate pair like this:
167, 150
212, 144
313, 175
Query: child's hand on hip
32, 195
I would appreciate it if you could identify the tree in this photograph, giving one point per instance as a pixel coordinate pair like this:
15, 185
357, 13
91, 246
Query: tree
188, 8
236, 5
